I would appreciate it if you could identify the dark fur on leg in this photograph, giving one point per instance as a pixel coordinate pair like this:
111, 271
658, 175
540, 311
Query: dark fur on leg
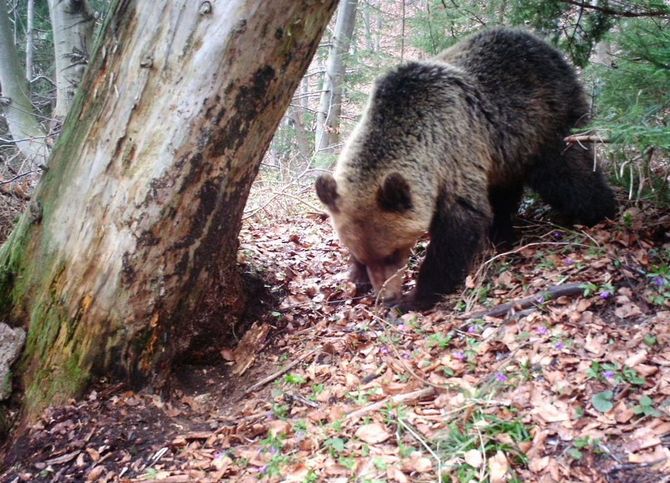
505, 204
456, 236
567, 181
358, 274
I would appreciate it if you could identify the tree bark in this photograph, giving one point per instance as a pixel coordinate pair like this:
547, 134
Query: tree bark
19, 112
330, 106
72, 22
128, 252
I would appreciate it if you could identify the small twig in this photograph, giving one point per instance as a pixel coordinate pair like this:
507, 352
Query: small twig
585, 138
17, 177
407, 397
566, 290
411, 431
280, 372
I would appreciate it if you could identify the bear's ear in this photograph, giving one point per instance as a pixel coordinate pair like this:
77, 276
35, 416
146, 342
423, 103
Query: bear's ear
326, 190
395, 194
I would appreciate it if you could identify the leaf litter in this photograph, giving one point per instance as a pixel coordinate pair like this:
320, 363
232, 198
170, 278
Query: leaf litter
553, 364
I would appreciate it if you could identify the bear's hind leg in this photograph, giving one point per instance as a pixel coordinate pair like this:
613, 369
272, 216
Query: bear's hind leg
457, 233
566, 180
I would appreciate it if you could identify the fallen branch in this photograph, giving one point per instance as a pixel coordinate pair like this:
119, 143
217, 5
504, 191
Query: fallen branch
280, 372
585, 138
566, 290
399, 398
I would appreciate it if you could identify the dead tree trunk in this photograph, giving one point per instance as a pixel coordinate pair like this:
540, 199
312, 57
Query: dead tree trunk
72, 23
330, 106
128, 251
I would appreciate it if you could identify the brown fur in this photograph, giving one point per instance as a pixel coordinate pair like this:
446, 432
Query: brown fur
445, 146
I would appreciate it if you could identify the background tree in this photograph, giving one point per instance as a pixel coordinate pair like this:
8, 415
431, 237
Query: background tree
330, 106
72, 24
128, 252
26, 131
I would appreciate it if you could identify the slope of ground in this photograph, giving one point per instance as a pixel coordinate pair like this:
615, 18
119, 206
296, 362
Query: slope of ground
570, 381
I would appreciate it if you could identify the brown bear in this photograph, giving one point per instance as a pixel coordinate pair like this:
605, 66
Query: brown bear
445, 146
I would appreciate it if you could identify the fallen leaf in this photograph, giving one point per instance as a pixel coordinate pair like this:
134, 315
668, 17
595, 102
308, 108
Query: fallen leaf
498, 467
372, 433
473, 457
417, 462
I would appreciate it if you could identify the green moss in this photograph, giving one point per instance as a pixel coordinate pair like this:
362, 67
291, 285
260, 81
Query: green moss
55, 385
12, 257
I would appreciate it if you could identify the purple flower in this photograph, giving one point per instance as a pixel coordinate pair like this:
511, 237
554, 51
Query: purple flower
384, 350
472, 329
542, 330
500, 377
605, 294
568, 261
459, 355
560, 345
558, 235
659, 281
609, 374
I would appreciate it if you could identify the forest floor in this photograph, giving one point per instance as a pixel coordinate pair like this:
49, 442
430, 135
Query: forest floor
571, 383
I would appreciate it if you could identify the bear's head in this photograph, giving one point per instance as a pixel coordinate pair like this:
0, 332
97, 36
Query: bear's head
379, 225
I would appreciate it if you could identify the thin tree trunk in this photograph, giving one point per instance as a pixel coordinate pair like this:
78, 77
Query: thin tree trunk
301, 140
127, 255
30, 15
330, 106
402, 32
19, 112
367, 19
72, 22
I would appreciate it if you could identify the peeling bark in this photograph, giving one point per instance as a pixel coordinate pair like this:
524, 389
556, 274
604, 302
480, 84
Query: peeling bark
129, 249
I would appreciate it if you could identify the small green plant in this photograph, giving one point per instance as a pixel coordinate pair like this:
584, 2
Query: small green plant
337, 425
613, 374
545, 263
316, 390
276, 465
311, 477
579, 444
150, 474
359, 397
650, 340
274, 441
440, 340
300, 425
483, 432
335, 446
405, 451
627, 219
280, 410
348, 462
646, 407
295, 379
602, 401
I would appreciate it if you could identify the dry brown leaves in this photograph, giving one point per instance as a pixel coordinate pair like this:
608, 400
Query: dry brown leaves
574, 389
